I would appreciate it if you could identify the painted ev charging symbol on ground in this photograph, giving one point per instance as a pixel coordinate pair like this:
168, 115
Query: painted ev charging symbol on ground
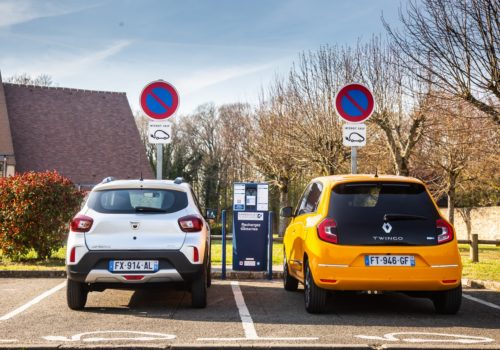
425, 337
132, 336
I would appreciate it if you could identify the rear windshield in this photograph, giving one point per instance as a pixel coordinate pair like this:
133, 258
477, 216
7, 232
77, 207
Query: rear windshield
361, 209
121, 201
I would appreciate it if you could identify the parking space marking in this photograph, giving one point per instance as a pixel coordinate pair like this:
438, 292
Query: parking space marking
480, 301
32, 302
246, 319
247, 322
143, 336
445, 338
8, 340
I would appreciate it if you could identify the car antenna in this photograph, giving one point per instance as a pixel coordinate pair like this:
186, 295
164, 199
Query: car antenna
141, 179
376, 172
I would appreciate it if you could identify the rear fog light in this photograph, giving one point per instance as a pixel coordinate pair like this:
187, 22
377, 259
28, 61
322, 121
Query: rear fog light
328, 281
133, 277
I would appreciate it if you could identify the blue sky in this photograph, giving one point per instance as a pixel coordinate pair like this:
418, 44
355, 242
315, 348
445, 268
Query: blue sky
218, 51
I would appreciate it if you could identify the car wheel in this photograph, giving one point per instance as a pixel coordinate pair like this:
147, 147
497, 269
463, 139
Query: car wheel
76, 294
449, 301
199, 289
314, 296
289, 282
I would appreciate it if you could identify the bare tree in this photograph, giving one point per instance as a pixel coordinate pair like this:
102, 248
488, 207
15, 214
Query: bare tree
455, 146
455, 45
399, 112
26, 79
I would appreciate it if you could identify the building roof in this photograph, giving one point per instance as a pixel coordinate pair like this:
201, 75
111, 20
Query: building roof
84, 135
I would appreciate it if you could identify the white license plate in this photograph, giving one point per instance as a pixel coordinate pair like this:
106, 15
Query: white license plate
133, 265
389, 260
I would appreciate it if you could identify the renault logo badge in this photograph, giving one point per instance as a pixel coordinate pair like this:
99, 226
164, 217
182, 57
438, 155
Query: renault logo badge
387, 227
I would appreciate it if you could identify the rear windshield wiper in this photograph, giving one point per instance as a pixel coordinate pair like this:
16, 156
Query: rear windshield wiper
149, 210
399, 217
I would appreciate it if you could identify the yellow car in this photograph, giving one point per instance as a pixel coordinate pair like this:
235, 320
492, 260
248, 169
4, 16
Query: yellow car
371, 233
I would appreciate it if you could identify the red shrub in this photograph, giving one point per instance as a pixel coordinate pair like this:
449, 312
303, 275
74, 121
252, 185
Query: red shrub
35, 209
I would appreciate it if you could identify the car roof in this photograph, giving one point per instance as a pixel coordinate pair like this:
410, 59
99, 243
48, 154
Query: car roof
156, 184
347, 178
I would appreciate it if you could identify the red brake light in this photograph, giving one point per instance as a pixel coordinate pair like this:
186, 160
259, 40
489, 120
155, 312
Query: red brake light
81, 223
327, 230
444, 231
190, 223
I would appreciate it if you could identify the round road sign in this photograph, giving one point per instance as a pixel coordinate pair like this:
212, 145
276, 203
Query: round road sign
159, 99
354, 103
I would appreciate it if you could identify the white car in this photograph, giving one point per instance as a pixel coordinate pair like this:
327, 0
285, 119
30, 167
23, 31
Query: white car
131, 233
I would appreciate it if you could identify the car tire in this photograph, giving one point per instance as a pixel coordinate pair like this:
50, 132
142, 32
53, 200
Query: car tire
209, 274
199, 289
76, 294
314, 296
289, 283
448, 302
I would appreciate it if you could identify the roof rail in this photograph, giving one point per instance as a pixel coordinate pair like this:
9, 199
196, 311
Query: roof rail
108, 179
179, 180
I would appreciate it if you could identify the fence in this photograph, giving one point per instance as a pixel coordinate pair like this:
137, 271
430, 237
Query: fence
474, 245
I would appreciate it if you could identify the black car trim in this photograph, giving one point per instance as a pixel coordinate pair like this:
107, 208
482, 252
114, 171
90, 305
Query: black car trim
168, 259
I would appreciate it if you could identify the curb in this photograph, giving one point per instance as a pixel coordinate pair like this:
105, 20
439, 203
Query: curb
247, 346
217, 274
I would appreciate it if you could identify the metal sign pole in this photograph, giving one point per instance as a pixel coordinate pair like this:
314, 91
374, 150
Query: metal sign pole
354, 160
159, 161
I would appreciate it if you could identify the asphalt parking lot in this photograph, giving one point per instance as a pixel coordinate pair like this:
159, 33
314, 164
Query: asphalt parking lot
33, 313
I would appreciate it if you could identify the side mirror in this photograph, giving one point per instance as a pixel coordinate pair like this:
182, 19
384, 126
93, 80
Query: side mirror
211, 214
286, 212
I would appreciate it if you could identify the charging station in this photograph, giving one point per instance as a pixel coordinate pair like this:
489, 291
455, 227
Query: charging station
250, 226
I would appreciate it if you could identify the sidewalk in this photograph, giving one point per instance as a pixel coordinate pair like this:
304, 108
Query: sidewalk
230, 275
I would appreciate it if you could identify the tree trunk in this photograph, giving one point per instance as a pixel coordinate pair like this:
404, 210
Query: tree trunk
452, 198
466, 214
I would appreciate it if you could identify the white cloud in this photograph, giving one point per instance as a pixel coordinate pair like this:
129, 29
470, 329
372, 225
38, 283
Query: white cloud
20, 11
60, 65
209, 77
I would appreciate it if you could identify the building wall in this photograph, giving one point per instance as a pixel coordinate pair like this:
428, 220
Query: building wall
485, 222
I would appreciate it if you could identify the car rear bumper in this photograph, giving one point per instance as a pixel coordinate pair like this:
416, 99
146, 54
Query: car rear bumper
173, 267
387, 278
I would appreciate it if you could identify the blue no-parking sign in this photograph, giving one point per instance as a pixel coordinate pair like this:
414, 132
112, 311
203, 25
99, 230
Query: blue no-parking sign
159, 100
354, 103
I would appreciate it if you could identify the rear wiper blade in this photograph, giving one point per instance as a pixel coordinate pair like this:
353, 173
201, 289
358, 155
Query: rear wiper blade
399, 217
149, 209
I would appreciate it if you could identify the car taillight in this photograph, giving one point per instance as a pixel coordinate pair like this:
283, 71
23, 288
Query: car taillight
327, 230
190, 223
81, 223
444, 231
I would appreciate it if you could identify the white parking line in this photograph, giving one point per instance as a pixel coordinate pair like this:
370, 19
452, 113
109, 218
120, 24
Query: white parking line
32, 302
480, 301
247, 322
246, 319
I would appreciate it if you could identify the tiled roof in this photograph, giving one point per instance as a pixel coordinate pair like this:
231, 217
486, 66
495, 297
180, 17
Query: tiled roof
85, 135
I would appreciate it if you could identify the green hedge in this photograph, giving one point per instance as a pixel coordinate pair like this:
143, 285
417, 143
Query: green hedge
35, 209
